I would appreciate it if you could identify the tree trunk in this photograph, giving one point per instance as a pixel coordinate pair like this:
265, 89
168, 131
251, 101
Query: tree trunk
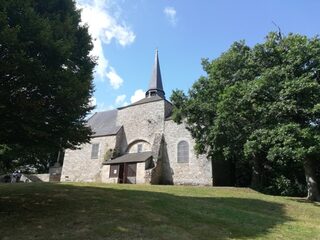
256, 179
312, 185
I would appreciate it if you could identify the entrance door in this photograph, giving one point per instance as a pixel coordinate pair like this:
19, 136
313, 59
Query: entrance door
121, 173
127, 172
130, 172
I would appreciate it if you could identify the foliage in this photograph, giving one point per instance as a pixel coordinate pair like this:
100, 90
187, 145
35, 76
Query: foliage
107, 155
258, 108
284, 146
46, 77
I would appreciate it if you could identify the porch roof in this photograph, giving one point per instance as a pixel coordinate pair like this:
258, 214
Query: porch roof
130, 157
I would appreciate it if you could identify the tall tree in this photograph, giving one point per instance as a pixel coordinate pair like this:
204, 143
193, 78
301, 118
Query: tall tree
45, 76
272, 88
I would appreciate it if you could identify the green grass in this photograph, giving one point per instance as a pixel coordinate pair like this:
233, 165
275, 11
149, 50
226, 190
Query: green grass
100, 211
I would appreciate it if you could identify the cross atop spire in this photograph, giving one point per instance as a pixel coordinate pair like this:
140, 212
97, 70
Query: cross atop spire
155, 85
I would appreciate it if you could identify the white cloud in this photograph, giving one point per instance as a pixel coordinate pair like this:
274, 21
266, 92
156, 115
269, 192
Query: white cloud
103, 107
100, 107
104, 26
114, 79
102, 61
171, 13
123, 36
138, 95
92, 102
120, 99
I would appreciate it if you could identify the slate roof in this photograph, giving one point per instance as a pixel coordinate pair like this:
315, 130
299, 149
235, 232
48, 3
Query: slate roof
144, 100
155, 85
130, 157
104, 123
156, 80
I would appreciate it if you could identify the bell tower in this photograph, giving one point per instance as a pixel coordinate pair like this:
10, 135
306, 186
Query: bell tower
155, 85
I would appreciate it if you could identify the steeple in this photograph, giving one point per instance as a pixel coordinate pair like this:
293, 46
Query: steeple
155, 85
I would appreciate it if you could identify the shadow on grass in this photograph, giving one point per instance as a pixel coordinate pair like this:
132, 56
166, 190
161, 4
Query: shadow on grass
299, 200
58, 211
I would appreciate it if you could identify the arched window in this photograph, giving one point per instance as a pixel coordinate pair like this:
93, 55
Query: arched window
183, 152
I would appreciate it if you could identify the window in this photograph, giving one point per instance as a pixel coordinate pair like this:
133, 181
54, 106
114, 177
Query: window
183, 152
95, 151
139, 148
114, 171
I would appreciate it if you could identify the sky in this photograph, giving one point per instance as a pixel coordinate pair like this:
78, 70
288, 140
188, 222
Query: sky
126, 34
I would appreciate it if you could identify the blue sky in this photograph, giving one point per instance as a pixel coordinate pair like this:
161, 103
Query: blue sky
127, 32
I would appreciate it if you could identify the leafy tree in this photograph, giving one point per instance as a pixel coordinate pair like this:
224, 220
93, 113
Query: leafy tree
263, 111
203, 111
279, 169
45, 77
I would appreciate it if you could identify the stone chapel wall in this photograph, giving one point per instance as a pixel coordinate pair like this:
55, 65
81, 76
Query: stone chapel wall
141, 122
78, 165
198, 170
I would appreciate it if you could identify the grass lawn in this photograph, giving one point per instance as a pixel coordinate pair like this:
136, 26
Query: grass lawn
100, 211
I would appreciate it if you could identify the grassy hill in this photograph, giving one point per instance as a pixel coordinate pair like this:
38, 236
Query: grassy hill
99, 211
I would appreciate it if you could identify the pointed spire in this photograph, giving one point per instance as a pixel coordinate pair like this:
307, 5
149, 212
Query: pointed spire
155, 85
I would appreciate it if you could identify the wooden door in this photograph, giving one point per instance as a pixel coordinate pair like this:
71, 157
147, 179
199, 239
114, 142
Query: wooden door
130, 172
121, 177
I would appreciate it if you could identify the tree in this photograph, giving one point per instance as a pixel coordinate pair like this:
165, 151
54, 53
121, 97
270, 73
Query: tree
263, 104
46, 76
288, 144
205, 118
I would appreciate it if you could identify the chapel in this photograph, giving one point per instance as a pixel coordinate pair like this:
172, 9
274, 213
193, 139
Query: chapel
138, 143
